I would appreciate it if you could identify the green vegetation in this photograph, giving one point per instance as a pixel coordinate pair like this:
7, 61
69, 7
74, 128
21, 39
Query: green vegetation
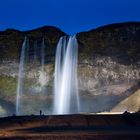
2, 111
7, 86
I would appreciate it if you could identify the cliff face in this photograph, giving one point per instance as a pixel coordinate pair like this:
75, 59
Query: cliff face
10, 50
108, 64
118, 41
11, 41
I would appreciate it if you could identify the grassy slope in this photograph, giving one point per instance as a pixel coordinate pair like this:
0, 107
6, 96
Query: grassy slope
132, 103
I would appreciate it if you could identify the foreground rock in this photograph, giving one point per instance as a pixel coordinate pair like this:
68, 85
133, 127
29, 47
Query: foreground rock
69, 127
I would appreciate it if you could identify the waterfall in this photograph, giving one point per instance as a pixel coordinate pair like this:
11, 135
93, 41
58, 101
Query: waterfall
42, 55
66, 98
35, 52
21, 75
42, 77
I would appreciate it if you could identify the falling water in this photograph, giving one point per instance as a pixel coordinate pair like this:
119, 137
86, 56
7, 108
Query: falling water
35, 51
42, 77
21, 75
66, 98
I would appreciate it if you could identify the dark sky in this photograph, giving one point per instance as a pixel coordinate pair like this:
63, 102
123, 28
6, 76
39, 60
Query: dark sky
71, 16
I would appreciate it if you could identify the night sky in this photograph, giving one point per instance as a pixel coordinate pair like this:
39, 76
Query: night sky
71, 16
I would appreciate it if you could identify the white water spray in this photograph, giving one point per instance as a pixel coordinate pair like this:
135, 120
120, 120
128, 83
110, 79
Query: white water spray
21, 75
66, 100
42, 77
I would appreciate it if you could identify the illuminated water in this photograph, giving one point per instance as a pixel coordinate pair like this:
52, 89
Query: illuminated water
21, 89
21, 76
66, 98
42, 75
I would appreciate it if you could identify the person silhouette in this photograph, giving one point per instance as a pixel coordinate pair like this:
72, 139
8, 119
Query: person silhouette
40, 112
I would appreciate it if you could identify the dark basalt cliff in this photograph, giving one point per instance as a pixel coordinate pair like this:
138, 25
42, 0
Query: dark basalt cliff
108, 66
11, 41
109, 62
119, 41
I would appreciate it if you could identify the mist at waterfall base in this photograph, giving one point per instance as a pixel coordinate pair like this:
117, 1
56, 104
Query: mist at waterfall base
33, 95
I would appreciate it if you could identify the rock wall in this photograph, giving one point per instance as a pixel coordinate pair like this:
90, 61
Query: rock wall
108, 65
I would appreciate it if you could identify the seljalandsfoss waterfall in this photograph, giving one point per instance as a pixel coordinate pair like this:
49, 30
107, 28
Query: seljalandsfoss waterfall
45, 70
42, 77
21, 75
65, 98
36, 87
